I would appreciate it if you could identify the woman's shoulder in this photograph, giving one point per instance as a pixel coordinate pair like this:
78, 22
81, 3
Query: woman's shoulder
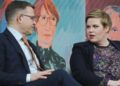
115, 41
84, 43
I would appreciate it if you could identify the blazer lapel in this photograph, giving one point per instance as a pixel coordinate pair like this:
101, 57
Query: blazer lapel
90, 49
16, 45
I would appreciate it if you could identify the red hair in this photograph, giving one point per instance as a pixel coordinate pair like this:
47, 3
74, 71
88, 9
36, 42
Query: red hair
4, 5
49, 6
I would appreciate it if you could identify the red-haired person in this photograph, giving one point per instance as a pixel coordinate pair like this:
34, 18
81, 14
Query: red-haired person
46, 23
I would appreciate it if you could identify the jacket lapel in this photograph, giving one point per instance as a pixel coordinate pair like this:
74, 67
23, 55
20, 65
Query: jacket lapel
116, 44
90, 49
16, 45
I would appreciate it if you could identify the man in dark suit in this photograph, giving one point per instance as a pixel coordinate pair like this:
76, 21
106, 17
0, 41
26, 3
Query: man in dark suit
19, 65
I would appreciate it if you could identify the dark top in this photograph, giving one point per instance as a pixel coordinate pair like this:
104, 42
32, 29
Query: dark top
51, 59
82, 65
106, 63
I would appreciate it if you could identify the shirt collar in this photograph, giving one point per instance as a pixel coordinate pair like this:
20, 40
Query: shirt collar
15, 33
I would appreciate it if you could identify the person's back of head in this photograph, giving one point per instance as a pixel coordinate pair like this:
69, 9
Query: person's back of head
13, 8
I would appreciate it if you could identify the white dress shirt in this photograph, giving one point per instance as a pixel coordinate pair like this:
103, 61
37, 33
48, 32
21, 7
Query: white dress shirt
27, 53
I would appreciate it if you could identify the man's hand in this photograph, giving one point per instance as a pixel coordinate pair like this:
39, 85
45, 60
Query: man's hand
41, 75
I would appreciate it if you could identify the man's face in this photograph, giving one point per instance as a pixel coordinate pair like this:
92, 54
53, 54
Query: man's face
46, 26
27, 21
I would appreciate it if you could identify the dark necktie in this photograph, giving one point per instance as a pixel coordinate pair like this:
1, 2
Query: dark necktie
24, 39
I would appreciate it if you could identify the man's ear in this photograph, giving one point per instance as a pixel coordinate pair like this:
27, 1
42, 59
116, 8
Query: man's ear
19, 18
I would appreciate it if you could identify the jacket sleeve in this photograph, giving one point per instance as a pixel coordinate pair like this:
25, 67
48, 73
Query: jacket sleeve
7, 77
80, 71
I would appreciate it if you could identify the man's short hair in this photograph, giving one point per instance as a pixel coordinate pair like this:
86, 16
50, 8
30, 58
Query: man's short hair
14, 7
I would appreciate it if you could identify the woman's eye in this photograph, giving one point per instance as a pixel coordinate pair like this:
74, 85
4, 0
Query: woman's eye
87, 26
95, 26
53, 18
43, 17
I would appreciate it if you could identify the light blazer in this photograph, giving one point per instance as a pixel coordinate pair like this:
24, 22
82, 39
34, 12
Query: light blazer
81, 63
13, 63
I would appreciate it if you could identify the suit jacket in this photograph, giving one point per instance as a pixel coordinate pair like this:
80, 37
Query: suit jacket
81, 63
13, 63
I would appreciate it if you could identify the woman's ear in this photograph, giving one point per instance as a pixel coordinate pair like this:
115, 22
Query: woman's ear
107, 29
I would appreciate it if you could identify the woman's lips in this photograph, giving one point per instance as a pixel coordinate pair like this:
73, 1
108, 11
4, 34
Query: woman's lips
91, 36
47, 35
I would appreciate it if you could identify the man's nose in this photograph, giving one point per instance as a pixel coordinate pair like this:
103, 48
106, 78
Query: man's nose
34, 22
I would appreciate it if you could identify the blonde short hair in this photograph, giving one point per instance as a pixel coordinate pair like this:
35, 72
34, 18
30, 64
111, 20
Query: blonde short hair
105, 18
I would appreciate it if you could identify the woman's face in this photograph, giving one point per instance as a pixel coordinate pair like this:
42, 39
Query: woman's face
46, 26
95, 31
